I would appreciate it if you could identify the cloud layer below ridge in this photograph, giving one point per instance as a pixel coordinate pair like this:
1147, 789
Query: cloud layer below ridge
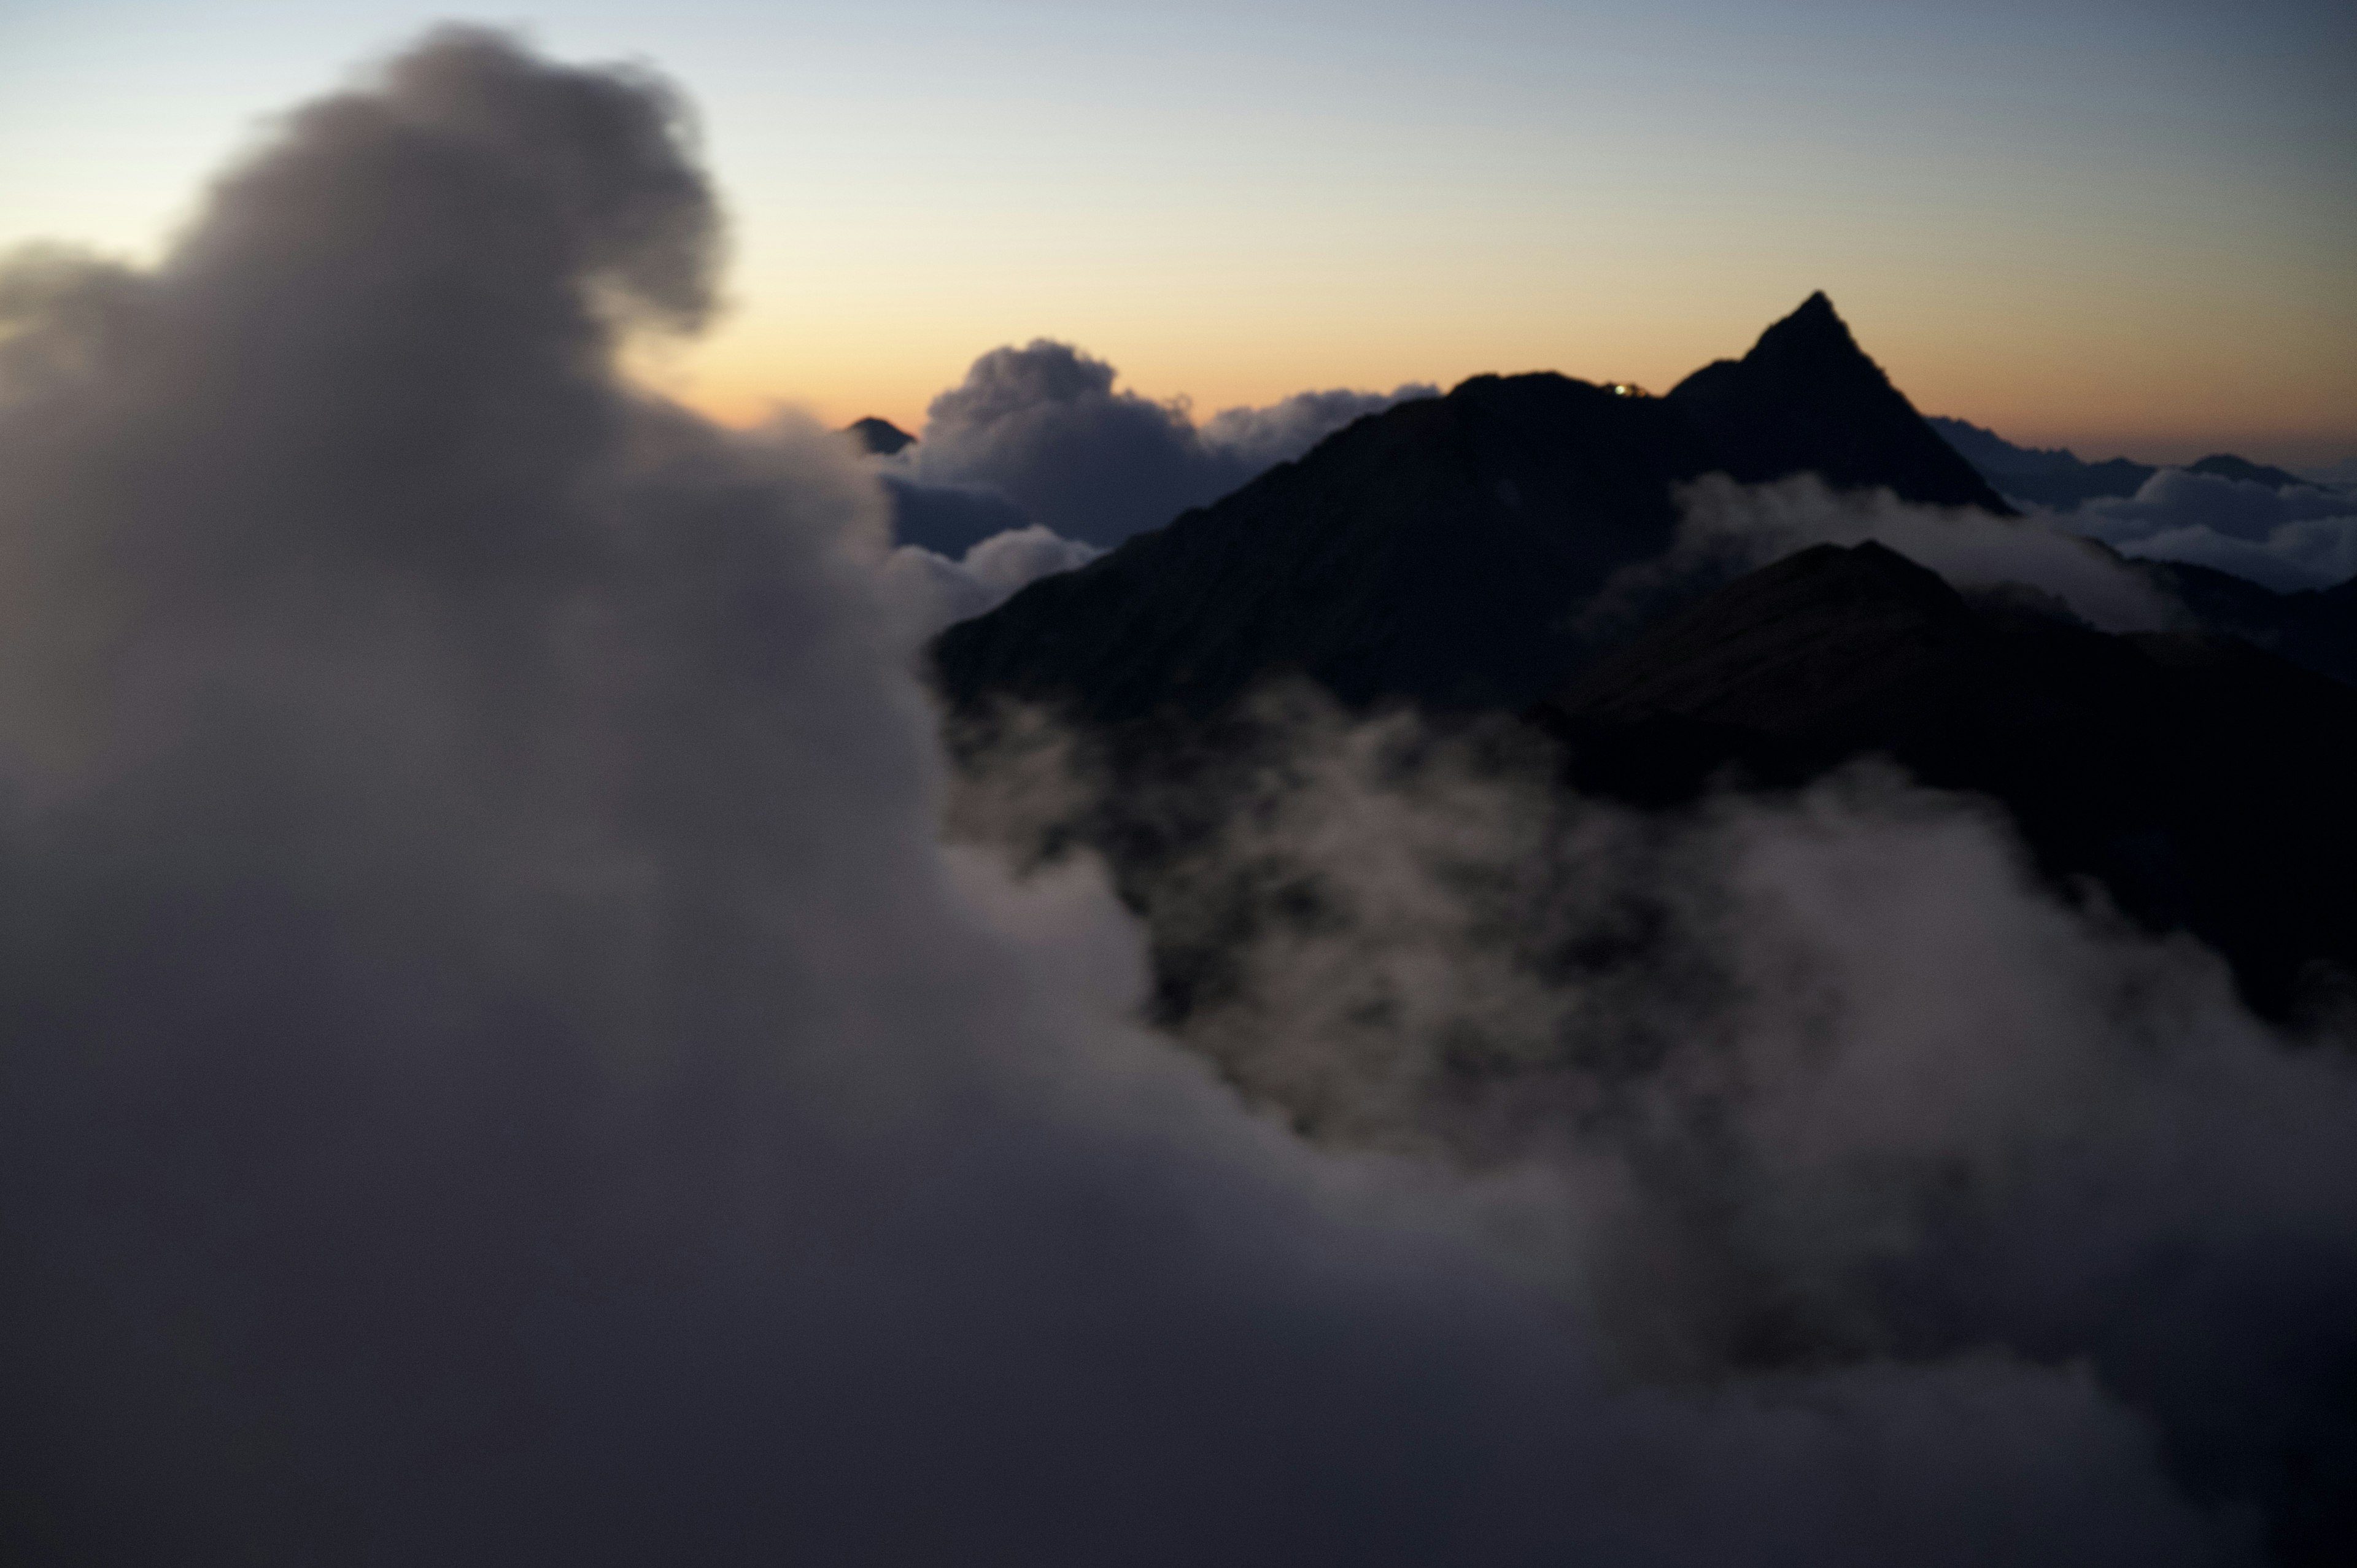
2286, 540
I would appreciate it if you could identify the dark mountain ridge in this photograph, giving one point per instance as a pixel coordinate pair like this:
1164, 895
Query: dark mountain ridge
2044, 476
2057, 476
1431, 551
1439, 552
2204, 782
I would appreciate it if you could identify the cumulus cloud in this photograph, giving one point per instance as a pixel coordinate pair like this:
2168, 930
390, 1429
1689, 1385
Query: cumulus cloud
930, 591
501, 1068
1044, 427
1038, 445
1727, 529
2286, 539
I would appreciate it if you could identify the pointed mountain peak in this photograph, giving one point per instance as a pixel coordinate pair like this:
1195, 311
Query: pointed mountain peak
1815, 330
880, 436
1807, 398
1818, 306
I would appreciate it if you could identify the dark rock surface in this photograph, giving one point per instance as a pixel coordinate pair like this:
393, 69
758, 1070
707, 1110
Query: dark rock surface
2202, 781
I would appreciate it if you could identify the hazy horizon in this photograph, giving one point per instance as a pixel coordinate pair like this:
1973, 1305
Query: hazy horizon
2124, 239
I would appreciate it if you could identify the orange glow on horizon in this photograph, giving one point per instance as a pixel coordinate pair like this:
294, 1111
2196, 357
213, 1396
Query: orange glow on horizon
2124, 394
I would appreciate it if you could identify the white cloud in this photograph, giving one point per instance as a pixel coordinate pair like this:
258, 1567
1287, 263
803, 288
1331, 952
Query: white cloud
2286, 539
1726, 527
930, 591
1043, 428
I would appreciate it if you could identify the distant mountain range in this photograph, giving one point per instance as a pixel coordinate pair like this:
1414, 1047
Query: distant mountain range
1445, 552
2047, 476
2056, 477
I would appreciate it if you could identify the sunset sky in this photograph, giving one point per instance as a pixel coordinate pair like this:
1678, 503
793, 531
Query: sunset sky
2124, 228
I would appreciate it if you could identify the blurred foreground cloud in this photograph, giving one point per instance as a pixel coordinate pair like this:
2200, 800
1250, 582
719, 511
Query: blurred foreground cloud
501, 1068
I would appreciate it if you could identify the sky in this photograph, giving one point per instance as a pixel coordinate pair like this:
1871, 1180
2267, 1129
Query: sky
2121, 228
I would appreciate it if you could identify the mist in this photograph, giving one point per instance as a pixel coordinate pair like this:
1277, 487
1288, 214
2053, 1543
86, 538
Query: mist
503, 1067
1727, 528
1825, 1081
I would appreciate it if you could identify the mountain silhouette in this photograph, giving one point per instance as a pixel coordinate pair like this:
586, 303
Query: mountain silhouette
2203, 781
1806, 398
1431, 551
880, 436
2044, 476
2226, 466
1439, 552
2055, 476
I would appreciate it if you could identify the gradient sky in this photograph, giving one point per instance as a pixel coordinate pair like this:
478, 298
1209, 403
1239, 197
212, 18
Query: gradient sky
2118, 227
